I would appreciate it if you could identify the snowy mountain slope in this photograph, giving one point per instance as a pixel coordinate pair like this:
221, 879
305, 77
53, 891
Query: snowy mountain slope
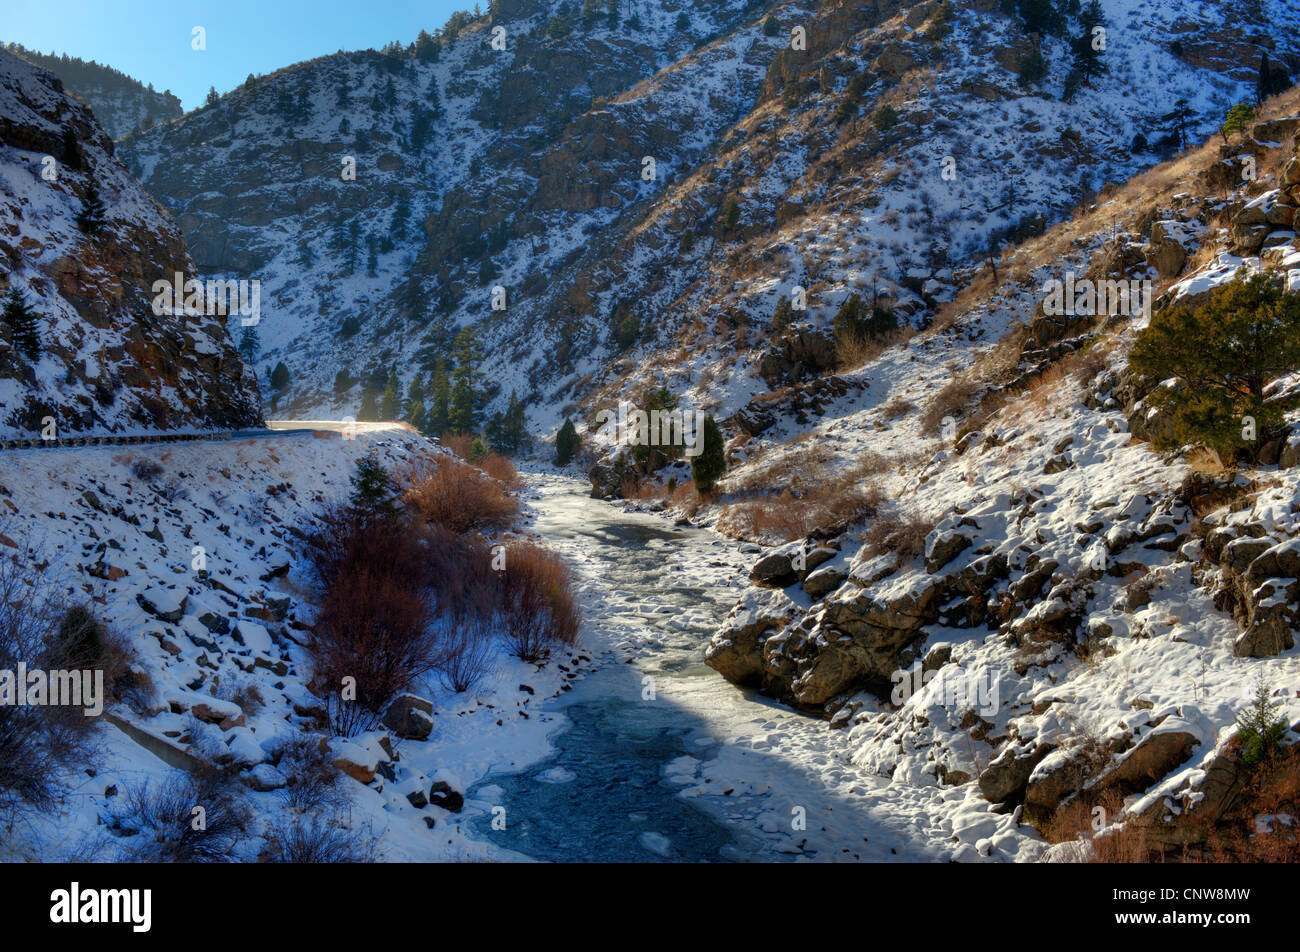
121, 104
531, 180
1080, 619
105, 361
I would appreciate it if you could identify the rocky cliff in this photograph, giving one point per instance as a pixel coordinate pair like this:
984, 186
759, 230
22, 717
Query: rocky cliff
81, 246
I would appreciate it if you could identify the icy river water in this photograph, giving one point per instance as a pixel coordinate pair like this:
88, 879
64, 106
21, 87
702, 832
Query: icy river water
661, 759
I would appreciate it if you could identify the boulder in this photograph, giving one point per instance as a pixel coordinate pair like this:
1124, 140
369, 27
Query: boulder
410, 717
1004, 780
442, 795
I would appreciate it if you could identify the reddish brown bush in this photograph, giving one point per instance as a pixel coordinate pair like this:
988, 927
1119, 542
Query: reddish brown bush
459, 497
374, 623
537, 601
376, 627
499, 467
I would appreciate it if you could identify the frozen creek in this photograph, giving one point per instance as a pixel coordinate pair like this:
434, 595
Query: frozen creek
660, 758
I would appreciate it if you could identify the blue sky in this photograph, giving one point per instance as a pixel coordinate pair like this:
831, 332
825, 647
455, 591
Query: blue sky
151, 39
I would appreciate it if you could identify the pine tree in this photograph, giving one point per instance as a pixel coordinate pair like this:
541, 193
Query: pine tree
783, 315
280, 376
390, 403
708, 467
369, 411
1260, 729
414, 395
249, 344
1223, 353
1178, 119
438, 416
1087, 57
372, 492
567, 443
730, 215
22, 325
463, 415
92, 217
212, 97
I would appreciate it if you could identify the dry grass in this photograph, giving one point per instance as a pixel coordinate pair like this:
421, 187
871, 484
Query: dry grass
952, 402
826, 505
902, 534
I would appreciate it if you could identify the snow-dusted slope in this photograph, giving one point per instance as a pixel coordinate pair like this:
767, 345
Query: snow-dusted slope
107, 361
531, 179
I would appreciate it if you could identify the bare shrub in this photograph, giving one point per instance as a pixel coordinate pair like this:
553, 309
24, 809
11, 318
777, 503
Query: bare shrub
313, 778
896, 406
376, 627
538, 605
952, 401
374, 621
320, 839
459, 497
158, 820
36, 742
461, 444
902, 534
465, 657
145, 470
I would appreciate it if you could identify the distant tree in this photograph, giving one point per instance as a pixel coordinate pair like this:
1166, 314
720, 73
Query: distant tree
71, 148
93, 216
507, 431
783, 315
1272, 79
1084, 49
848, 108
710, 465
1033, 69
280, 376
426, 48
1037, 16
22, 325
390, 404
771, 26
212, 97
855, 322
415, 414
1221, 353
1178, 119
567, 443
886, 118
414, 394
1238, 119
369, 411
250, 345
464, 396
627, 331
438, 415
683, 23
730, 215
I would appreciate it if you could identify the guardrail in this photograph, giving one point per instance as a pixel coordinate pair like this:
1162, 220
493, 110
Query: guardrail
120, 440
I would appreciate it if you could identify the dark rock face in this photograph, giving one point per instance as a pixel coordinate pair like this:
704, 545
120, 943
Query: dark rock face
109, 362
